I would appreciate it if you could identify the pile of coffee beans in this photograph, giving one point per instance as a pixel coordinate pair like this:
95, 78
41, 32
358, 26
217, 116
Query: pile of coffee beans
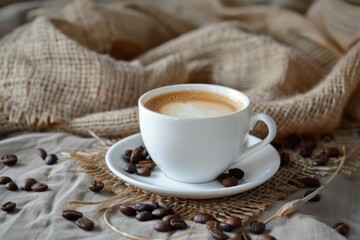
49, 159
138, 161
231, 178
80, 221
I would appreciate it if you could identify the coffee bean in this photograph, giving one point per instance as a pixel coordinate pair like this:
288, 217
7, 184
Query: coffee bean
11, 186
162, 226
256, 227
217, 234
321, 160
237, 173
225, 227
144, 216
203, 218
332, 152
178, 224
265, 236
316, 198
127, 211
154, 204
9, 159
212, 224
229, 181
240, 235
146, 164
85, 224
39, 187
28, 183
4, 180
51, 159
127, 154
284, 158
130, 168
310, 182
136, 155
341, 228
292, 141
305, 152
160, 212
328, 137
42, 153
96, 186
145, 172
168, 218
144, 207
168, 208
235, 222
276, 145
71, 215
8, 207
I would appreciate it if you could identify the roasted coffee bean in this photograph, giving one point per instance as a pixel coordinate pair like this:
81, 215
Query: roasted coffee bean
305, 152
9, 159
28, 184
328, 137
145, 172
332, 152
321, 160
316, 198
178, 224
217, 234
146, 164
127, 154
237, 173
42, 153
144, 216
276, 145
51, 159
310, 182
11, 186
136, 155
292, 141
39, 187
154, 204
162, 226
203, 218
229, 181
235, 222
8, 207
4, 180
225, 227
144, 207
222, 176
341, 228
240, 235
160, 212
96, 186
85, 224
284, 158
168, 218
265, 236
71, 215
130, 168
212, 224
256, 227
127, 211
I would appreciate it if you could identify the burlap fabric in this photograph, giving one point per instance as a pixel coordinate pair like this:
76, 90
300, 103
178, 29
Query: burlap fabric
59, 71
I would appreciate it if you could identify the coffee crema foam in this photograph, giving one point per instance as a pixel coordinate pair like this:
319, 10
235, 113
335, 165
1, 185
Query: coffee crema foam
193, 104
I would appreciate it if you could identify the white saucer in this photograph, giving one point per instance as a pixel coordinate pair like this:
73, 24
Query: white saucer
258, 168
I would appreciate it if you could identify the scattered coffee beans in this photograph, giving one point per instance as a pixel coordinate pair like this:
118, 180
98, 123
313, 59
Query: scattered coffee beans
28, 183
203, 218
139, 161
316, 198
265, 236
127, 211
8, 207
237, 173
11, 186
217, 234
310, 182
162, 226
85, 224
96, 186
256, 227
9, 159
144, 216
284, 158
332, 152
51, 159
42, 153
341, 228
4, 180
71, 215
39, 187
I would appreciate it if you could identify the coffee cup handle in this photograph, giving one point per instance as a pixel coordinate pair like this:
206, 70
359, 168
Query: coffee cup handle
271, 134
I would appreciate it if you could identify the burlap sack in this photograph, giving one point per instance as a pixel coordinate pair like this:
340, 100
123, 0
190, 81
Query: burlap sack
57, 73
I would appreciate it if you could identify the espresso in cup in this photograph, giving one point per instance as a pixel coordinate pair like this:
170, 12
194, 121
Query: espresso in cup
193, 104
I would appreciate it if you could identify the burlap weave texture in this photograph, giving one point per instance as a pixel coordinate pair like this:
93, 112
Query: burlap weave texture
56, 73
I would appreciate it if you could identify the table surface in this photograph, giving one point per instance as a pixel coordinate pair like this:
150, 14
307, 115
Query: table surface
38, 215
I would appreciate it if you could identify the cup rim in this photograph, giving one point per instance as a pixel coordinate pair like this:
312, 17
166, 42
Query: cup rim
192, 86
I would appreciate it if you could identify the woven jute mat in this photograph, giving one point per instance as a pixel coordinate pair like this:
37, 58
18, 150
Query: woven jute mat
247, 205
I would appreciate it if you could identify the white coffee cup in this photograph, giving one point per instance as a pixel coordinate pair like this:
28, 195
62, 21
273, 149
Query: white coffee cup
197, 149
